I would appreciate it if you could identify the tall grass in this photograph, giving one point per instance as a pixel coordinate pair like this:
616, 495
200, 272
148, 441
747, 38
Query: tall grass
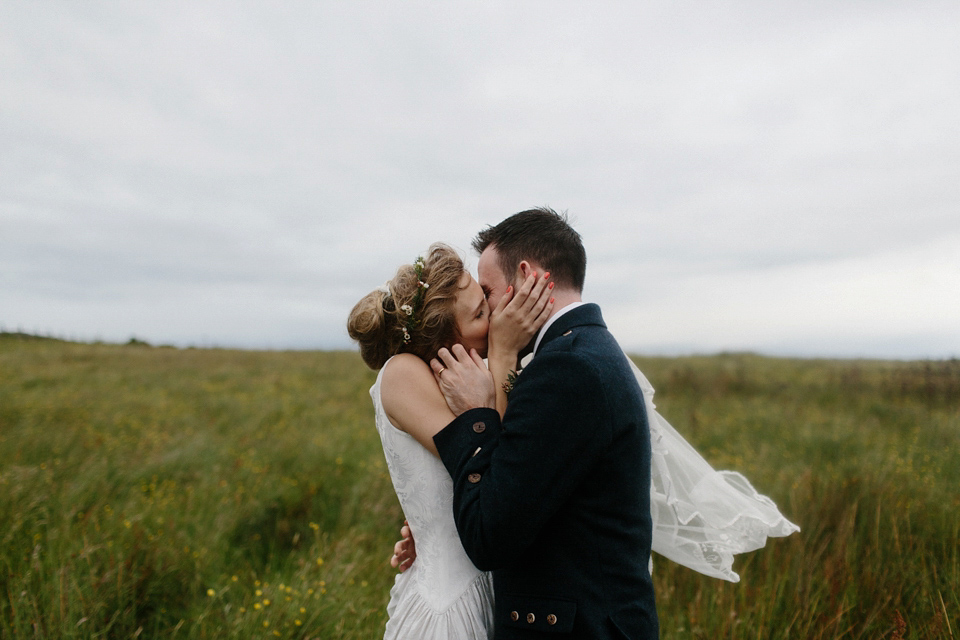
151, 492
864, 457
193, 494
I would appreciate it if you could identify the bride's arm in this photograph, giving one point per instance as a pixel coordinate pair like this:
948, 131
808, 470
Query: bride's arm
513, 324
414, 404
412, 399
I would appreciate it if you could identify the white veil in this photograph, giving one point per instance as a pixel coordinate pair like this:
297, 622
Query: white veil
702, 517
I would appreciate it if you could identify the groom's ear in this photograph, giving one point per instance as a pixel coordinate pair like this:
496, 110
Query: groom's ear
523, 270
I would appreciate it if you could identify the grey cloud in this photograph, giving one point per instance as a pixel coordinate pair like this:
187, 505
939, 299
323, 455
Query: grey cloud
293, 156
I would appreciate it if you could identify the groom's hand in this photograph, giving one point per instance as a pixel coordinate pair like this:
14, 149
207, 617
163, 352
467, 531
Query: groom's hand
405, 551
463, 379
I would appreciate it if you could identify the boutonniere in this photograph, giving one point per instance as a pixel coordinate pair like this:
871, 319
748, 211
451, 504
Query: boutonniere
511, 380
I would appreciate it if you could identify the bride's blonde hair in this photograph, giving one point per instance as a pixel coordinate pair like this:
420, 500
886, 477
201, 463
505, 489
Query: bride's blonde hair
380, 322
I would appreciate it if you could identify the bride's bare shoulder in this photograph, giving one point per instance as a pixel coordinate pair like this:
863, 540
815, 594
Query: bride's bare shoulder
412, 399
407, 379
405, 369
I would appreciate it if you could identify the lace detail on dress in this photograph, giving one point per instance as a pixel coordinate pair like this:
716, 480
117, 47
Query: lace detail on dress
442, 595
413, 617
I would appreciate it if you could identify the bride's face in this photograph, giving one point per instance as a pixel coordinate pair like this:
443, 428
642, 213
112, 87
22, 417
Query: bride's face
473, 315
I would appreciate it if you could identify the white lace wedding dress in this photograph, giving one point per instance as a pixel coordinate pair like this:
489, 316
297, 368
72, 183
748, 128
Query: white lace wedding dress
701, 518
442, 596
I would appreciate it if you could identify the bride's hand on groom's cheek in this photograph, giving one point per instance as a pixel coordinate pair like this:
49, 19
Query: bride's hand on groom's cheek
520, 314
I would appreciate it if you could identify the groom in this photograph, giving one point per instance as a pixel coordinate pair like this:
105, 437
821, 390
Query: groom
555, 498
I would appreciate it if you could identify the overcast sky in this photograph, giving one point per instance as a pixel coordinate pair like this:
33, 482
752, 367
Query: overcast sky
773, 177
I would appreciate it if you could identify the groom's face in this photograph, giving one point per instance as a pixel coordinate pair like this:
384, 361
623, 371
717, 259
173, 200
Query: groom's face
490, 277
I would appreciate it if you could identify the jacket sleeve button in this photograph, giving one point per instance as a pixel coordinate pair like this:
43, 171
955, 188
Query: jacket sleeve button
479, 427
531, 618
551, 619
473, 478
514, 616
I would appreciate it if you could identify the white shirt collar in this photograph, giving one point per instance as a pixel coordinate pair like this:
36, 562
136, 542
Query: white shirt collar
553, 318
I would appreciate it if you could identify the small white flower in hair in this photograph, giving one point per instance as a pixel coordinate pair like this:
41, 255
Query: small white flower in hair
407, 309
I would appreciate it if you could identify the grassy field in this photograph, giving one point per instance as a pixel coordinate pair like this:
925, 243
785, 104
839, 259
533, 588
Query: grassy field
156, 492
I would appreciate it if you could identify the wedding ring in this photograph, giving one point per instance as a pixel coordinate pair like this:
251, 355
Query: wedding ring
442, 369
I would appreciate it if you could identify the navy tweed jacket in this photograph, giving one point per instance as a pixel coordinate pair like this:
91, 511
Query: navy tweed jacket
555, 498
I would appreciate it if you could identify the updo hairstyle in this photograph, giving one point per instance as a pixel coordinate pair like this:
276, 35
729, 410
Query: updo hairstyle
378, 321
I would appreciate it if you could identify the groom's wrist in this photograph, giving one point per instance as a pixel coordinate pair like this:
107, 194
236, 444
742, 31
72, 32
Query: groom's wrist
460, 440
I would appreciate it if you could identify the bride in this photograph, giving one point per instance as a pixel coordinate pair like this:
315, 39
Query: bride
430, 304
701, 517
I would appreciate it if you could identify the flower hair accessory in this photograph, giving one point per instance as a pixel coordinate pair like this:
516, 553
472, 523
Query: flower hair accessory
414, 309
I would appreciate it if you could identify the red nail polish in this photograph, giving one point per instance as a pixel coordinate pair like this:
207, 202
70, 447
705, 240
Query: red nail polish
550, 286
546, 275
509, 289
551, 300
534, 274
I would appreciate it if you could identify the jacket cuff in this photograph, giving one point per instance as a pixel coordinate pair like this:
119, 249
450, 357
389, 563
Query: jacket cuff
458, 441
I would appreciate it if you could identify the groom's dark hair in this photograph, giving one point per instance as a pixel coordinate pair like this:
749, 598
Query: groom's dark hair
540, 235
